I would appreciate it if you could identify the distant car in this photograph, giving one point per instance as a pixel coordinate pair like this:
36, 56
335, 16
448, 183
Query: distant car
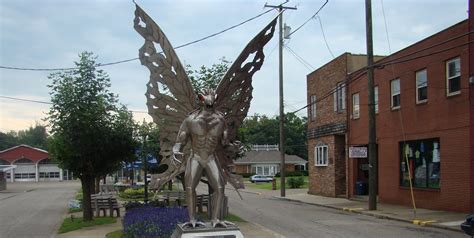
261, 178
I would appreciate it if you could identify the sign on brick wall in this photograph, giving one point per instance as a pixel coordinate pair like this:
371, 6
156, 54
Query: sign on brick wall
358, 152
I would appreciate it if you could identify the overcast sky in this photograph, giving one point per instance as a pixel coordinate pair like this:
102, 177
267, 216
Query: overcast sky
51, 33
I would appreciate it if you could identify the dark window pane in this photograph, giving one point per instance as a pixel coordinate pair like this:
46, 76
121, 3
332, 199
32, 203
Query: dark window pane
396, 100
422, 93
454, 84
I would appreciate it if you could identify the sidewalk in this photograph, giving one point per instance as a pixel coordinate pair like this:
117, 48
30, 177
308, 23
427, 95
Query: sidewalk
424, 217
248, 229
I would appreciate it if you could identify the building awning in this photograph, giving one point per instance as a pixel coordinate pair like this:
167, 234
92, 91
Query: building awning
5, 168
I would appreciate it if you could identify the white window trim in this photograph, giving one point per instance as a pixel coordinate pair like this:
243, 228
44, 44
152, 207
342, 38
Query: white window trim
376, 99
448, 78
392, 94
318, 152
417, 86
354, 114
313, 108
340, 97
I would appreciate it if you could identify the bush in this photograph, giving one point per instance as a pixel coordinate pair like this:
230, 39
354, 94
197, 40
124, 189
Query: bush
295, 182
132, 193
153, 222
246, 175
293, 174
133, 204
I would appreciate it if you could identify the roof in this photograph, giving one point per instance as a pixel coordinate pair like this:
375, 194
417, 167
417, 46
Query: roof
27, 146
268, 157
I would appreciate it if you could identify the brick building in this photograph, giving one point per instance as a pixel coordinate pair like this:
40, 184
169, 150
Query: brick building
327, 119
424, 118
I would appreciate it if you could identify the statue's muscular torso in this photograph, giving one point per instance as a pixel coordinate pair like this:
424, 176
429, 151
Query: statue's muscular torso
206, 129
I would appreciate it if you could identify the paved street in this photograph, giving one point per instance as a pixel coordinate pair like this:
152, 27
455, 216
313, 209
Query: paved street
294, 219
34, 209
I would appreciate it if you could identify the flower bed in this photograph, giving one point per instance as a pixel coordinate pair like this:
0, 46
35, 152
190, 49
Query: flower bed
153, 221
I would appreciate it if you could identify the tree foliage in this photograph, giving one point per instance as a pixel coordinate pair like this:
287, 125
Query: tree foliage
36, 136
92, 133
207, 77
261, 130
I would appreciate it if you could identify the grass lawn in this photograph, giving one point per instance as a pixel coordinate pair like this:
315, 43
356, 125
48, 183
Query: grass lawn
77, 223
115, 234
73, 210
264, 185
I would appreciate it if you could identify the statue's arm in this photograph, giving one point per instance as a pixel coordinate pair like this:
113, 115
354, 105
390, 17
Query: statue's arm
182, 138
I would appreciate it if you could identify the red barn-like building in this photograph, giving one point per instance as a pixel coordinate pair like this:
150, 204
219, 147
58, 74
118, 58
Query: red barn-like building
30, 164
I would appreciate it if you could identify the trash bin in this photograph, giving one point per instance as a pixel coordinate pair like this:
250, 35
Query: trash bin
361, 188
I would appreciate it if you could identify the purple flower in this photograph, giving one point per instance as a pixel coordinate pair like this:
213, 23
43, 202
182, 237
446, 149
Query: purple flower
153, 221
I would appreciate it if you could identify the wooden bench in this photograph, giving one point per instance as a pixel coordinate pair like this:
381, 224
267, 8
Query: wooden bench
176, 196
104, 203
202, 201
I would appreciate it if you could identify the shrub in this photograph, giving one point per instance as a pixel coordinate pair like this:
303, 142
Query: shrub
246, 175
133, 204
295, 182
153, 222
293, 174
133, 193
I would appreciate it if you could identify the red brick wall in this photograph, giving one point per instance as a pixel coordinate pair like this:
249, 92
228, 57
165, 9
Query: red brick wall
319, 83
441, 117
240, 168
23, 151
471, 86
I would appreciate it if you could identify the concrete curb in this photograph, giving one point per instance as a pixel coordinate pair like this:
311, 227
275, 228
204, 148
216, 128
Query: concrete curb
380, 216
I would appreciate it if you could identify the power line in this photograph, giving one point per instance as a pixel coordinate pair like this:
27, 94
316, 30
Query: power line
301, 60
44, 102
133, 59
324, 37
350, 79
313, 16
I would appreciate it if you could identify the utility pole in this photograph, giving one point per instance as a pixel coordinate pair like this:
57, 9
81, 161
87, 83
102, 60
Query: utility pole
372, 131
145, 166
282, 114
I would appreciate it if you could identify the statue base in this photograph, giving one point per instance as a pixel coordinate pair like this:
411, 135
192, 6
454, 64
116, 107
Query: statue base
231, 231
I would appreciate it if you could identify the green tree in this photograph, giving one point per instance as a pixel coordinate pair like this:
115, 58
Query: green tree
92, 134
260, 130
207, 77
33, 136
8, 140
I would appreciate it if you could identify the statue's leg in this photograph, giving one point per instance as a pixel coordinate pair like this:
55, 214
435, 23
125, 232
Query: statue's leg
217, 184
191, 180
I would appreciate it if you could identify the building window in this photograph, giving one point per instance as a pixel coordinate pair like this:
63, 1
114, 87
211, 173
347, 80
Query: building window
376, 98
355, 106
313, 107
453, 76
321, 155
268, 170
340, 97
395, 90
421, 86
420, 160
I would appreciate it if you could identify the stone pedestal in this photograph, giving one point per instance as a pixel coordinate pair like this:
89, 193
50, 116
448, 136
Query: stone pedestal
231, 231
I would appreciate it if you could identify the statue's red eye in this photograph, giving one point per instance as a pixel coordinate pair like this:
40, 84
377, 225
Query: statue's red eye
201, 98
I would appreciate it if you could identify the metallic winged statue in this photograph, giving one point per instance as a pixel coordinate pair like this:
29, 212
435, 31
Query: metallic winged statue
197, 140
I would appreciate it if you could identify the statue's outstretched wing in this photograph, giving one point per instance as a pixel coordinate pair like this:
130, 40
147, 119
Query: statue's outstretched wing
170, 95
234, 94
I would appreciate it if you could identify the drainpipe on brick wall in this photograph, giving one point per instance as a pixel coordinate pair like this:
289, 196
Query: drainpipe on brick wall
471, 98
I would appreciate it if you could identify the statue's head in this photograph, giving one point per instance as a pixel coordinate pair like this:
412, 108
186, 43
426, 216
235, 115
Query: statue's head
207, 98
